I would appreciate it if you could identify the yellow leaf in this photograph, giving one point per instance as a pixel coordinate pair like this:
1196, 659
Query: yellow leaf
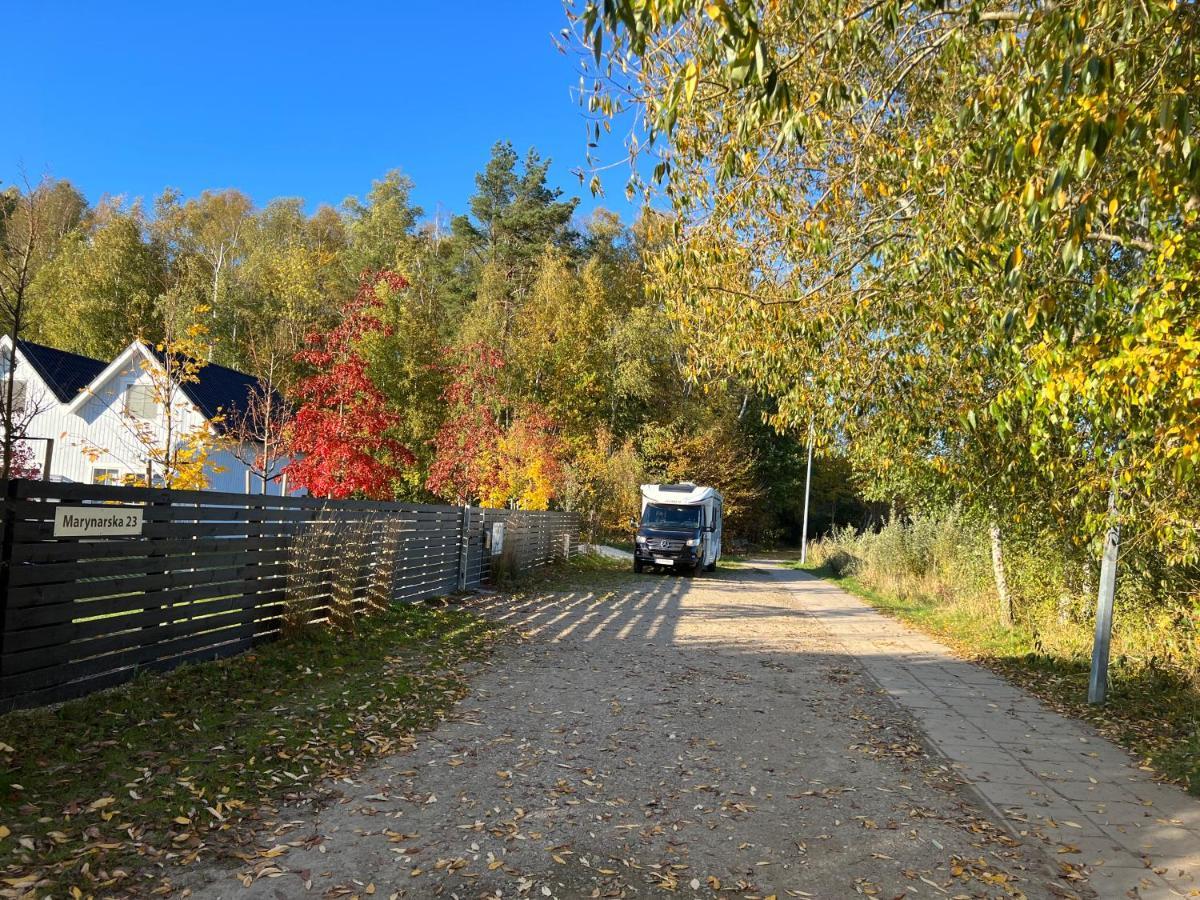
691, 77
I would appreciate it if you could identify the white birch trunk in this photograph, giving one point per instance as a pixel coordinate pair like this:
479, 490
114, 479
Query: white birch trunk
1002, 593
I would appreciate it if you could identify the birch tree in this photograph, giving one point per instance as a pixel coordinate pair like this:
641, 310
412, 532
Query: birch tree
982, 216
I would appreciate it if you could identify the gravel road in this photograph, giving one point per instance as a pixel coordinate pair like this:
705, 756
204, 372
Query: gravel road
657, 734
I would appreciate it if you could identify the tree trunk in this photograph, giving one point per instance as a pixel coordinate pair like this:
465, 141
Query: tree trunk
9, 412
1006, 611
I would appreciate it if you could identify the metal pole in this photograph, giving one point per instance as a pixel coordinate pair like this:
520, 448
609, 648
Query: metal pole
807, 489
464, 546
1098, 683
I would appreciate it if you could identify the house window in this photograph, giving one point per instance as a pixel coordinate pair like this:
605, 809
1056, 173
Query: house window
19, 393
106, 476
140, 401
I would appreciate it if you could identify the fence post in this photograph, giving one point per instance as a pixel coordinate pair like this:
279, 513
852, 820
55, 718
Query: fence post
1098, 682
464, 546
6, 548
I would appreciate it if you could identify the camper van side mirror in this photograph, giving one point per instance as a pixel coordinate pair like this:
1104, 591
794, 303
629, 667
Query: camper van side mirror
710, 527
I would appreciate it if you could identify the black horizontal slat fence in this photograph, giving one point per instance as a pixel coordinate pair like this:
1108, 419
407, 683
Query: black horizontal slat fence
212, 574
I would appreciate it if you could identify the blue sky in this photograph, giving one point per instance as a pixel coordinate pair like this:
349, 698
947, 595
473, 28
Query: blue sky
299, 99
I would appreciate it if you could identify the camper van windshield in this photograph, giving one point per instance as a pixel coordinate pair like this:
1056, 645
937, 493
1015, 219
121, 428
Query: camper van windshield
672, 516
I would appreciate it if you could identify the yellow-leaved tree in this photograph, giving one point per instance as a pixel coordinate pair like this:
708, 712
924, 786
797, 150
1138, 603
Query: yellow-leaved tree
524, 464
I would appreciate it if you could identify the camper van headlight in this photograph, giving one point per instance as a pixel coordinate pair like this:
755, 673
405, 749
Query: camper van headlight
693, 542
641, 539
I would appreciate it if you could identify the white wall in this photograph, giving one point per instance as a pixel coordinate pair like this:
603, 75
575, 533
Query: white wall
100, 428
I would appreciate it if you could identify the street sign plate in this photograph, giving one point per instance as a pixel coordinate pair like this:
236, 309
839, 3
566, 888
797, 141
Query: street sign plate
97, 521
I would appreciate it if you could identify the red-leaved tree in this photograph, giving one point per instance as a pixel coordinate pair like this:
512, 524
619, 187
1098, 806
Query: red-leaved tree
340, 439
24, 463
465, 444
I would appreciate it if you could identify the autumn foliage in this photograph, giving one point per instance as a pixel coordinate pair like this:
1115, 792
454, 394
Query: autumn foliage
468, 437
24, 464
525, 467
340, 439
480, 459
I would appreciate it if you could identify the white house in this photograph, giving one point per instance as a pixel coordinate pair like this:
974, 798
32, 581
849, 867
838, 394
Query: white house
100, 415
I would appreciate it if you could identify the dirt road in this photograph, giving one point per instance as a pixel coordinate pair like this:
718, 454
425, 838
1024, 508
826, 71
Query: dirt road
704, 736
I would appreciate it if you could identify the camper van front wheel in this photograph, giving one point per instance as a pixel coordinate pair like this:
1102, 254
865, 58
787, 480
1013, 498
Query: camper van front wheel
637, 566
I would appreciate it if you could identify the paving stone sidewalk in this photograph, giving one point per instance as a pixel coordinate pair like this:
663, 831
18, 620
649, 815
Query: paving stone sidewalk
1043, 773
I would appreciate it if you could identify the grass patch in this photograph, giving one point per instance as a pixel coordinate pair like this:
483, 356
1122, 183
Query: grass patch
168, 767
1152, 712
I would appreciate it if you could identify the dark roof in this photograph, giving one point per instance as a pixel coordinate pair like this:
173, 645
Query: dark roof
220, 391
65, 373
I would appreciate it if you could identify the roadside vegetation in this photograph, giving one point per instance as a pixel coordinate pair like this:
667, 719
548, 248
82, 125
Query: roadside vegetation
505, 356
98, 795
935, 572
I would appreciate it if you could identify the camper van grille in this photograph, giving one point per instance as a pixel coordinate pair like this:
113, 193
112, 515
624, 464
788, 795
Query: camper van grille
664, 544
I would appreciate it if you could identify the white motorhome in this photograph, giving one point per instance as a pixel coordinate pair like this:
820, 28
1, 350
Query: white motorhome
680, 528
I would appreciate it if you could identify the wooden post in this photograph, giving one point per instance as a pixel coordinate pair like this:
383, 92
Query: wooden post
6, 550
1098, 683
49, 459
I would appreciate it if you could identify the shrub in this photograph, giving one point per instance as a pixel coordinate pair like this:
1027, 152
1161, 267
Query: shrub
385, 562
326, 572
505, 566
834, 553
308, 571
346, 573
944, 557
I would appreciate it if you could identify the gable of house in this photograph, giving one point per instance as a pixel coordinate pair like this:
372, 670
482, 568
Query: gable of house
220, 394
